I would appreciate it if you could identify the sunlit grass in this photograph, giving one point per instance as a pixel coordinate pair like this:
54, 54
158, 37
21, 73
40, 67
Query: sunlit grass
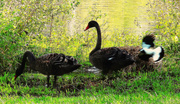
143, 97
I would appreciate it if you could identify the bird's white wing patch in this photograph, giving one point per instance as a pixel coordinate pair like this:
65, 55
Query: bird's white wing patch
148, 51
110, 58
157, 52
156, 57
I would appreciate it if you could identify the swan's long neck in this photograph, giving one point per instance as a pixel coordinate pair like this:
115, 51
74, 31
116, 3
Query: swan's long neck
98, 44
31, 58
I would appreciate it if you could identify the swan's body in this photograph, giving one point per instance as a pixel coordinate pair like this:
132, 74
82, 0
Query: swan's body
49, 64
110, 59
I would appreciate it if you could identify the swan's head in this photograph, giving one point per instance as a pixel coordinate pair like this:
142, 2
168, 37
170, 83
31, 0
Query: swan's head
91, 24
19, 71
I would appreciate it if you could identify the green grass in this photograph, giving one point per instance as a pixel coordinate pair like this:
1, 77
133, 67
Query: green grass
81, 87
143, 97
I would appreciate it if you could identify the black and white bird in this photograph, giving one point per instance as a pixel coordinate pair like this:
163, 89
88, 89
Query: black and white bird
147, 57
148, 50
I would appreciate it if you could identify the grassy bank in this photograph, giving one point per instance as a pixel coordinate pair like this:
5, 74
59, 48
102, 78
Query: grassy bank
83, 87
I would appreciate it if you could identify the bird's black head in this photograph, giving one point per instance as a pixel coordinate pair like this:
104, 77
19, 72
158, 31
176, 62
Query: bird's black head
149, 39
91, 24
19, 71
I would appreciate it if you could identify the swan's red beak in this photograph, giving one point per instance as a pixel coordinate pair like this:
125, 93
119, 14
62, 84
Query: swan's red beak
87, 28
15, 77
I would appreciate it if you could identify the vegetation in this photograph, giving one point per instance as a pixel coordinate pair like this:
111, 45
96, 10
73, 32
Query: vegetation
166, 17
149, 87
46, 22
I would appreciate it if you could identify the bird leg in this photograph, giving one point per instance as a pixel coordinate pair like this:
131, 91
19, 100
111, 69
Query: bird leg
47, 80
55, 78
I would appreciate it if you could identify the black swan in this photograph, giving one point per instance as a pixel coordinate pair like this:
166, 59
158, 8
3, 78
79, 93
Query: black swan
108, 59
49, 64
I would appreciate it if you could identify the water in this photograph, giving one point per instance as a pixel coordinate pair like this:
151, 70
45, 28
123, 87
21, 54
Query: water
121, 15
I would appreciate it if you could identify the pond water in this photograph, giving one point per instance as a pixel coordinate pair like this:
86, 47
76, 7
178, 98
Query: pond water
121, 15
